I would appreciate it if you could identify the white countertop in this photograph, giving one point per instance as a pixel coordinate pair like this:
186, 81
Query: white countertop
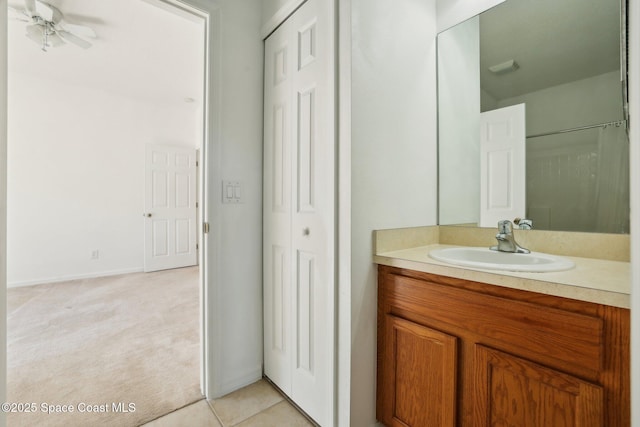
592, 280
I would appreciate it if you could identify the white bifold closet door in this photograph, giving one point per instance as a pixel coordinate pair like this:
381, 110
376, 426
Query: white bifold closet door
299, 210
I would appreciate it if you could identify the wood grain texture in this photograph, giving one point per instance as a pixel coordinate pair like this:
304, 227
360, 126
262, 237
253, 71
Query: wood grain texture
616, 374
570, 338
511, 391
424, 375
587, 345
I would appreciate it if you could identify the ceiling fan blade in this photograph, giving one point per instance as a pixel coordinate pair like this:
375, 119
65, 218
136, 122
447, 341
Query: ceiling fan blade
56, 16
19, 15
78, 30
44, 11
71, 38
35, 32
30, 6
54, 40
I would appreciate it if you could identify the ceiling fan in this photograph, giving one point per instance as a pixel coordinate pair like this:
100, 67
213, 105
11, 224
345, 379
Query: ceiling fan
48, 28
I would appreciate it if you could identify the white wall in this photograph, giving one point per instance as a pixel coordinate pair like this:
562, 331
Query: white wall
3, 207
487, 102
271, 7
459, 123
274, 12
393, 168
76, 177
452, 12
240, 226
233, 289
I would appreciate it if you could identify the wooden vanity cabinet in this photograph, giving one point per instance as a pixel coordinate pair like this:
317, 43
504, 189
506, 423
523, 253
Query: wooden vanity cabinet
459, 353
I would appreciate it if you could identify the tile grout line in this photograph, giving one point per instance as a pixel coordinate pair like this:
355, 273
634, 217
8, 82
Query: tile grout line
244, 419
169, 413
290, 401
215, 414
256, 414
282, 399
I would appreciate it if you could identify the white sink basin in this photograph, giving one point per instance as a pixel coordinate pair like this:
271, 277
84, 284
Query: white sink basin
494, 260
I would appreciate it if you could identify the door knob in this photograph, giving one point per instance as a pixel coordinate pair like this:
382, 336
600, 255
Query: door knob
306, 231
148, 215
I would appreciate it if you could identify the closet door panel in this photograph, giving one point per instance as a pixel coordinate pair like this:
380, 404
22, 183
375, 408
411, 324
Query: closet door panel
300, 209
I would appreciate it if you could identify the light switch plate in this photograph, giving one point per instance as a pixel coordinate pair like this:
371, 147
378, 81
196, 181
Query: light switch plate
232, 192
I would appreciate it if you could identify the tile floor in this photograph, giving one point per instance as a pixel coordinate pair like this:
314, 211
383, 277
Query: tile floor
257, 405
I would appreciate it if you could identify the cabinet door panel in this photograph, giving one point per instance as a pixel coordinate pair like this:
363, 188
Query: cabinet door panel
511, 391
422, 377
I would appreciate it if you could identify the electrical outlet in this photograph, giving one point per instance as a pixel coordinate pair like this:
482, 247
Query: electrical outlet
95, 254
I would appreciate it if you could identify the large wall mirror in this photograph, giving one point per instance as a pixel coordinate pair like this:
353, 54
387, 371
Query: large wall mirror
561, 64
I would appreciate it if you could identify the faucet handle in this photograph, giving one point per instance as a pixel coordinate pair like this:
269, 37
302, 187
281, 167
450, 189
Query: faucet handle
523, 223
505, 227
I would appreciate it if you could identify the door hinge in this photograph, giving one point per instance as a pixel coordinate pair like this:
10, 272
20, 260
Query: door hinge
205, 227
197, 247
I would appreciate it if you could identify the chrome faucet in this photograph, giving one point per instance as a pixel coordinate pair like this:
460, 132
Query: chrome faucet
506, 240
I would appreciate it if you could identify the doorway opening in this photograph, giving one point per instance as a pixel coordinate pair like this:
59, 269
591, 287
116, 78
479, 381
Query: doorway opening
79, 122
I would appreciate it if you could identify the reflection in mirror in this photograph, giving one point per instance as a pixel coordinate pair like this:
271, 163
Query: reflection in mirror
562, 60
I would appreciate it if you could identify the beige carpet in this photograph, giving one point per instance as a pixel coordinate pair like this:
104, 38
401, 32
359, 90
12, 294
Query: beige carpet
130, 339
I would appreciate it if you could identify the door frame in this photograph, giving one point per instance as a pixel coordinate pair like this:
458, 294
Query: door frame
211, 35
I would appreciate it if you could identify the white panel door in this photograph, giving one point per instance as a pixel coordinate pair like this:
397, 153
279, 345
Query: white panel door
502, 165
299, 207
170, 232
277, 209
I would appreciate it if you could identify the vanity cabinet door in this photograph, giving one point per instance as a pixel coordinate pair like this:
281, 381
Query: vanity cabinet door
420, 375
510, 391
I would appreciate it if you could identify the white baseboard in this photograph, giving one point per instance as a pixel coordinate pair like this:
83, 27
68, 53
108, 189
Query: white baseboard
57, 279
